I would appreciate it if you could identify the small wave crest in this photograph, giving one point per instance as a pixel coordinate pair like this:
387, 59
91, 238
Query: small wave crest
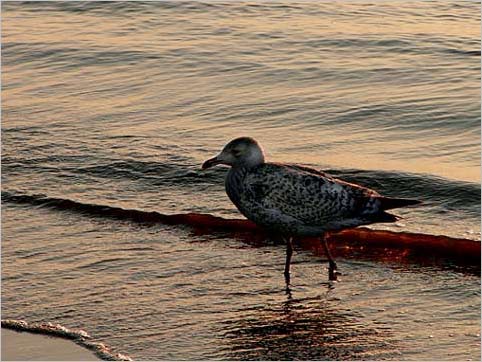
78, 336
461, 250
437, 192
139, 216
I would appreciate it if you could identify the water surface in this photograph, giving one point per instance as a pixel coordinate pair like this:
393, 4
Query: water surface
119, 103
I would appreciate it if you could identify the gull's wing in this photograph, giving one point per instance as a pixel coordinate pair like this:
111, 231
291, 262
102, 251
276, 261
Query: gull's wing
305, 195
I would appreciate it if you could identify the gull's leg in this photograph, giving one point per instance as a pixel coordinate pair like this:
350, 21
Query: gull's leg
332, 274
289, 253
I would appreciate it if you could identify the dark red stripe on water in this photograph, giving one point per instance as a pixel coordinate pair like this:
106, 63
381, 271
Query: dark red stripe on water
380, 244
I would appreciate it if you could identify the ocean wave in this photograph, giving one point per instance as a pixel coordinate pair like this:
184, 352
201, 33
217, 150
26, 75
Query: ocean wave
459, 250
441, 194
78, 336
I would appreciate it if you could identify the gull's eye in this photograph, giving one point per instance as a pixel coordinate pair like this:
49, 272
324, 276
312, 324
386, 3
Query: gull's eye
236, 153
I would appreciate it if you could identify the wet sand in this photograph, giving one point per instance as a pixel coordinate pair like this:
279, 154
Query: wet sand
23, 346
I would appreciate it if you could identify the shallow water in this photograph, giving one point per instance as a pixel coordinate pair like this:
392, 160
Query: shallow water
119, 103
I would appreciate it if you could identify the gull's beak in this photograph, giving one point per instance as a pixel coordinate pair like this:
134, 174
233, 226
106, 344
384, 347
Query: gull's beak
211, 162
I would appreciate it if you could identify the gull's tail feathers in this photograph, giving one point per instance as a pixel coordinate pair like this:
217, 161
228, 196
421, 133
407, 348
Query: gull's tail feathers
388, 203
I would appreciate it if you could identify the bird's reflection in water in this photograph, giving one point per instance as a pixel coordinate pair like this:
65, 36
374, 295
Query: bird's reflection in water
304, 329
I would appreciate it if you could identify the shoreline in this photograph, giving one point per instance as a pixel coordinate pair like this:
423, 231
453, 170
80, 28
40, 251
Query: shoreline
27, 346
48, 337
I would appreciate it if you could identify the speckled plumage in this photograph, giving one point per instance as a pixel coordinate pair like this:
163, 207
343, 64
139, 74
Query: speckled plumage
301, 201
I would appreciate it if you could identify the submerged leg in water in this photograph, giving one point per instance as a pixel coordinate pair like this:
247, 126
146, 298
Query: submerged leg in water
332, 273
289, 253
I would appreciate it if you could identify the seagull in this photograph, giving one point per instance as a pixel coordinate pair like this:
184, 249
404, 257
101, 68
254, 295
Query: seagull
297, 201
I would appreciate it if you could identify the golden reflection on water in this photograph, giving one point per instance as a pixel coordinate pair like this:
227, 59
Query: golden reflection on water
352, 151
119, 89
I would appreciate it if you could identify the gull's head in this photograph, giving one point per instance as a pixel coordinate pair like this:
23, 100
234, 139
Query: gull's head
240, 152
